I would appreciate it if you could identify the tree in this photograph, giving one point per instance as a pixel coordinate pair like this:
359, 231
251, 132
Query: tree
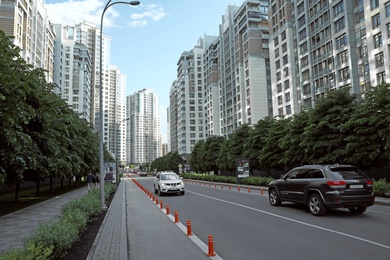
197, 157
323, 139
368, 142
291, 143
211, 151
255, 142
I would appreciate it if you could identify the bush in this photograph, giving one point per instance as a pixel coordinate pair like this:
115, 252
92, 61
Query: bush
257, 181
52, 239
381, 187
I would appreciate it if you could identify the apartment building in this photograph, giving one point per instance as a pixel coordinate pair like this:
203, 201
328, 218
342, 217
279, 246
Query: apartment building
73, 63
187, 115
117, 115
320, 45
244, 73
28, 22
143, 142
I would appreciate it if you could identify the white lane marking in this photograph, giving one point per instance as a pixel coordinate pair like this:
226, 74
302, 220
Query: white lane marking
296, 221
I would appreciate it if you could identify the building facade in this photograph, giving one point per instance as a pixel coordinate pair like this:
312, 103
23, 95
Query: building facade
28, 23
143, 142
322, 45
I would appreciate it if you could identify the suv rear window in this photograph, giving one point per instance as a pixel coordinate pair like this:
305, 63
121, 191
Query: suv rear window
347, 173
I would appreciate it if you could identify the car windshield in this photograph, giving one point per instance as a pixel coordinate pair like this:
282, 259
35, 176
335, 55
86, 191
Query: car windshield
169, 177
348, 174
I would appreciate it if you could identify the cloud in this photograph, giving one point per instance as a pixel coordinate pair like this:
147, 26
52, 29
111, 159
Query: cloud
74, 12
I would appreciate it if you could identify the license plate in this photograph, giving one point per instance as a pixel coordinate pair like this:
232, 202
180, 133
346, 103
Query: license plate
359, 186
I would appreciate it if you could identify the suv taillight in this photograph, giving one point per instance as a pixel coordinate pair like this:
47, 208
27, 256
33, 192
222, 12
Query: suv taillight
369, 183
336, 184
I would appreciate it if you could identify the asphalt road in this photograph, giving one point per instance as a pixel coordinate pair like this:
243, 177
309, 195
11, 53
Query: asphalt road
245, 226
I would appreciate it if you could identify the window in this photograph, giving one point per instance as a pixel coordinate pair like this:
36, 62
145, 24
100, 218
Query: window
376, 21
364, 69
343, 57
302, 35
359, 15
280, 100
278, 76
340, 24
338, 9
305, 75
381, 77
283, 35
288, 110
379, 62
303, 47
378, 40
285, 60
285, 72
286, 84
276, 52
301, 21
276, 41
374, 4
344, 74
287, 97
279, 88
341, 41
277, 64
387, 8
360, 33
284, 48
388, 30
304, 61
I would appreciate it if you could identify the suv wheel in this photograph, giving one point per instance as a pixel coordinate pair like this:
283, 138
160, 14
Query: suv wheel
316, 206
274, 198
357, 210
155, 190
182, 192
159, 192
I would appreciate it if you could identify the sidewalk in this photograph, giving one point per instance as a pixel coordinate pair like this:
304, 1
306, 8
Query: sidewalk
17, 226
134, 228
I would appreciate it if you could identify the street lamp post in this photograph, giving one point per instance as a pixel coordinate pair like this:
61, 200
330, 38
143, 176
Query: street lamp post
101, 119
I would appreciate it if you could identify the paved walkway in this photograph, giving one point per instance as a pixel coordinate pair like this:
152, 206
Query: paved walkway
134, 228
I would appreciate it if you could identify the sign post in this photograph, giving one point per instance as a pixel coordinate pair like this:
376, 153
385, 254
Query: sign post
242, 168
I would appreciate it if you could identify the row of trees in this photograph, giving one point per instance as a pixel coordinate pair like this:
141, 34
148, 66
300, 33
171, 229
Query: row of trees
169, 162
342, 128
40, 135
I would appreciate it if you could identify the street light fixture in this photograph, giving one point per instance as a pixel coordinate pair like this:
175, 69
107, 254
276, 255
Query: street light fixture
101, 119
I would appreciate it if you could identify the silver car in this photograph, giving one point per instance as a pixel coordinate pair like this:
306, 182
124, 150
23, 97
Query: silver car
168, 182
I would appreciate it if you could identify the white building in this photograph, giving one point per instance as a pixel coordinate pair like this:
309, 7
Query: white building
73, 70
28, 22
322, 45
143, 127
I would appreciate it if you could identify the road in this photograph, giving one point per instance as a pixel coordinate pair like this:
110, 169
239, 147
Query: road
245, 226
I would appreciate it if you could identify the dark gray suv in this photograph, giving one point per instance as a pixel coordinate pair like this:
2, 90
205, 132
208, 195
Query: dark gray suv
323, 187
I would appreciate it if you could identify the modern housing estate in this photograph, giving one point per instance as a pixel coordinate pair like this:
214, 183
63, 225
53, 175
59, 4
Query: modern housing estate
224, 81
320, 45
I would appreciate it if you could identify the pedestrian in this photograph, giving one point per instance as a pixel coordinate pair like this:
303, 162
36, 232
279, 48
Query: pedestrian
97, 180
90, 180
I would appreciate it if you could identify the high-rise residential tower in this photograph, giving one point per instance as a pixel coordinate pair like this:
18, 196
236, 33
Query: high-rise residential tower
73, 70
117, 115
28, 22
322, 45
143, 127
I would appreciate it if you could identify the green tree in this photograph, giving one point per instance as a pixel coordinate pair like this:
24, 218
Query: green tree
324, 139
197, 156
368, 142
291, 143
211, 150
271, 151
255, 142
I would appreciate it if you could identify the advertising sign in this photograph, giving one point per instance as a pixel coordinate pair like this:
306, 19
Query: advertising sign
242, 166
110, 172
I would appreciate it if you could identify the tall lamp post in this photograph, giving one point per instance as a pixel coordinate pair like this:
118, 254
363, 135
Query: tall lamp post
101, 119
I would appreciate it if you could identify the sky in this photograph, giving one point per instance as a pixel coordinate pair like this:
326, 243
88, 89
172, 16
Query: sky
148, 39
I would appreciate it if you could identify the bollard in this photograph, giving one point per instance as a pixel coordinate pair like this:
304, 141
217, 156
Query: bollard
176, 216
189, 229
249, 189
156, 200
238, 189
161, 204
215, 185
222, 186
167, 209
229, 187
261, 191
211, 247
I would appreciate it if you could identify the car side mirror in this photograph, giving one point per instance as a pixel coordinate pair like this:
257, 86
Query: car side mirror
181, 178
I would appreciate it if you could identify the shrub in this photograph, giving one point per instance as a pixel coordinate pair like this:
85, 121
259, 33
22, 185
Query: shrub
381, 187
52, 239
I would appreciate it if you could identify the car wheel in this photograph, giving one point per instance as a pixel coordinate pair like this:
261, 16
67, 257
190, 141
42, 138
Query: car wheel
273, 198
357, 210
159, 192
155, 190
316, 206
182, 192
